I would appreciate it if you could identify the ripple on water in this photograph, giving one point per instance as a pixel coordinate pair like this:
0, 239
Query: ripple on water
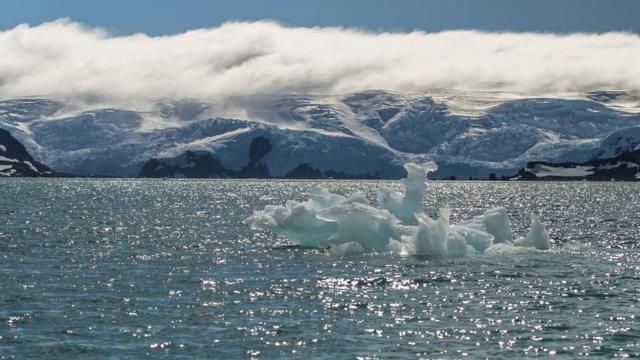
120, 268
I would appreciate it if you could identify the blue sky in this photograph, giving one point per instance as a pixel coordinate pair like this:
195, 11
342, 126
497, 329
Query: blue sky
162, 17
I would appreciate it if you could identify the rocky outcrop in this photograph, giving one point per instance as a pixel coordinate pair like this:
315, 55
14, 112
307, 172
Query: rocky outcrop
624, 167
16, 161
205, 165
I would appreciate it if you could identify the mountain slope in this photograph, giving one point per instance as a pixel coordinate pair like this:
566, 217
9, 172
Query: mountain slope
623, 167
368, 134
617, 158
16, 161
619, 142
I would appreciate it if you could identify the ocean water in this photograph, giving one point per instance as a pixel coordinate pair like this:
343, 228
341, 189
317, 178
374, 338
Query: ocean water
94, 268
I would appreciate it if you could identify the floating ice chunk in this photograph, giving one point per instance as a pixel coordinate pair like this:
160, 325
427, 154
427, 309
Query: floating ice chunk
320, 198
299, 222
350, 225
400, 248
296, 221
509, 249
405, 206
495, 222
576, 246
356, 198
350, 248
370, 227
404, 230
429, 239
478, 239
457, 245
538, 237
471, 250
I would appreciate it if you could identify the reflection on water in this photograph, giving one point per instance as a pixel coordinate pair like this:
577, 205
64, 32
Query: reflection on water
118, 268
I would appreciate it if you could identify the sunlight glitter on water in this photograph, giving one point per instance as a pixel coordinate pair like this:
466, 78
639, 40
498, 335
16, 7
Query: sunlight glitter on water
113, 268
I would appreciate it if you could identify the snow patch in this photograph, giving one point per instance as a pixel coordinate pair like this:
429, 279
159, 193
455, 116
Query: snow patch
540, 170
31, 166
2, 158
618, 164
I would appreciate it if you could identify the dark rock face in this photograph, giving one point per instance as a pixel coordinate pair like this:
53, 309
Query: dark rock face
259, 148
624, 167
205, 165
12, 148
200, 166
16, 161
304, 171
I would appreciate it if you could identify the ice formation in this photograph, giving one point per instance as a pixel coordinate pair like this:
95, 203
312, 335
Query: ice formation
538, 237
350, 225
406, 206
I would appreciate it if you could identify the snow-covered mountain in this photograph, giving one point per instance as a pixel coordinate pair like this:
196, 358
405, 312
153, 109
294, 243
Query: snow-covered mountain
16, 161
625, 167
619, 142
617, 158
368, 134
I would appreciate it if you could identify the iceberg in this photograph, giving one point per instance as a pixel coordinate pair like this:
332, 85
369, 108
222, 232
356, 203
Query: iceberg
370, 227
299, 222
477, 239
509, 249
538, 237
429, 240
351, 225
494, 222
295, 221
406, 206
347, 249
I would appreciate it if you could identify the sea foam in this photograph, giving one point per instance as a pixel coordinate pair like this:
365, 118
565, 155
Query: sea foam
351, 225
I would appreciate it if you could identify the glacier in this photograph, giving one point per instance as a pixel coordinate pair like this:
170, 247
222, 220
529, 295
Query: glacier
617, 158
351, 225
368, 134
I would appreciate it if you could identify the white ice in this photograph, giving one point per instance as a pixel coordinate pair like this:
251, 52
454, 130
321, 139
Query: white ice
538, 237
429, 239
351, 225
406, 206
370, 227
347, 249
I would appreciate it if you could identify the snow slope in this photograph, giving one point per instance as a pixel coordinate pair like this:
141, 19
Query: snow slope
369, 133
617, 158
619, 142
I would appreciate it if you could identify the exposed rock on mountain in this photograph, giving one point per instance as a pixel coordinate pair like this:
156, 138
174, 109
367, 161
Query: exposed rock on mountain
16, 161
363, 135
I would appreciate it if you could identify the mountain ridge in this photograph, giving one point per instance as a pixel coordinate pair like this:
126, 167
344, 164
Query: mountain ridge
16, 161
367, 134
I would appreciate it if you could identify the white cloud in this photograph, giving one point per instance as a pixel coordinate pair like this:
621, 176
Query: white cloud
66, 59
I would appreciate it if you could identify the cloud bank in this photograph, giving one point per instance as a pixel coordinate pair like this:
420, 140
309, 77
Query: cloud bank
66, 59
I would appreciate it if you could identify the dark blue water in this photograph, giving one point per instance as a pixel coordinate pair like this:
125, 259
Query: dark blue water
129, 269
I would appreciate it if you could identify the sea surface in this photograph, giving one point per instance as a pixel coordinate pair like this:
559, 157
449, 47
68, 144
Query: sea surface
100, 268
